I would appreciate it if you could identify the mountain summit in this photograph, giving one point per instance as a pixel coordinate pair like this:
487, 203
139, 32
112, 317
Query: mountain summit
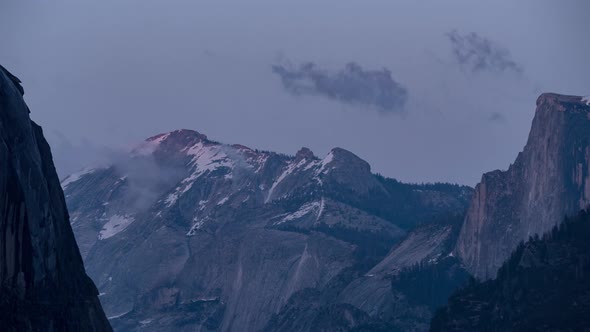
185, 232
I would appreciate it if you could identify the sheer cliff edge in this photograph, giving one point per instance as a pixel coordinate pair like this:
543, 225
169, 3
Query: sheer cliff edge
43, 283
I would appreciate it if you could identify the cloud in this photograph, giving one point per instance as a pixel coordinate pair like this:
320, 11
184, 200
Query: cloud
497, 117
351, 85
146, 178
477, 53
70, 156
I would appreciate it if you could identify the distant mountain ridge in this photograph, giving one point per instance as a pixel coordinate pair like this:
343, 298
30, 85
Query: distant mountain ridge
232, 232
187, 233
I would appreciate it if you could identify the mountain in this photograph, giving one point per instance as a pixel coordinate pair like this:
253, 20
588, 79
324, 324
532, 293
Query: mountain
542, 287
549, 179
43, 285
186, 233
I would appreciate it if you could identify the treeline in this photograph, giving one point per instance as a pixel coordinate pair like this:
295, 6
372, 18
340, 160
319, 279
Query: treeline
543, 286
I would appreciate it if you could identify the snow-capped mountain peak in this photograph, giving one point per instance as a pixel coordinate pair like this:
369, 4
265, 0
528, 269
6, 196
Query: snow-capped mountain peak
179, 200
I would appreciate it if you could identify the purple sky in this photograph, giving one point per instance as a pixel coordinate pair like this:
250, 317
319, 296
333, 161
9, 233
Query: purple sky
104, 74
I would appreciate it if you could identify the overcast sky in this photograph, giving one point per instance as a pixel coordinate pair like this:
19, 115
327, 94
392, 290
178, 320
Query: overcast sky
455, 95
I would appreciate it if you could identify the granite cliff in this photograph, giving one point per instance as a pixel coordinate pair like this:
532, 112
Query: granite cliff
549, 179
43, 285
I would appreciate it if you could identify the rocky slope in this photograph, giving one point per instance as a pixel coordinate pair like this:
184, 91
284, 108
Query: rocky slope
548, 180
428, 247
186, 233
542, 287
385, 292
43, 286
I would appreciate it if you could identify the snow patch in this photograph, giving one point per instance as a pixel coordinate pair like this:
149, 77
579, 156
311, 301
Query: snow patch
149, 146
223, 200
325, 162
115, 225
119, 315
260, 161
76, 176
435, 258
146, 321
586, 99
288, 170
171, 199
303, 210
322, 205
318, 180
312, 164
208, 157
205, 299
205, 158
197, 224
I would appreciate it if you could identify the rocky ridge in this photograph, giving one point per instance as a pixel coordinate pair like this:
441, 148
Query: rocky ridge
223, 235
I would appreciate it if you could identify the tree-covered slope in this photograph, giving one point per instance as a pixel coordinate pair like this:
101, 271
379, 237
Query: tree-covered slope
544, 286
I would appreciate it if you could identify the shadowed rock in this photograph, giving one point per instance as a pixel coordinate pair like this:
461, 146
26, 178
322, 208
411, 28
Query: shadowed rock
43, 285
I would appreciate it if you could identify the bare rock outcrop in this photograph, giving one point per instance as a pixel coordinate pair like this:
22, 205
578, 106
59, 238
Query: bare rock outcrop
549, 179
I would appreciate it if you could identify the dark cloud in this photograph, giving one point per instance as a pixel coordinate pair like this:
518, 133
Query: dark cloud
352, 85
497, 117
478, 53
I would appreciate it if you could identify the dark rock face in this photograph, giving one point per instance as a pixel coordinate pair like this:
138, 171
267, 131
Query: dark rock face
548, 180
542, 287
43, 285
189, 234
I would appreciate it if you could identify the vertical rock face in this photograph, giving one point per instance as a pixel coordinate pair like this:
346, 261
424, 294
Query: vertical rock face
43, 285
549, 179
